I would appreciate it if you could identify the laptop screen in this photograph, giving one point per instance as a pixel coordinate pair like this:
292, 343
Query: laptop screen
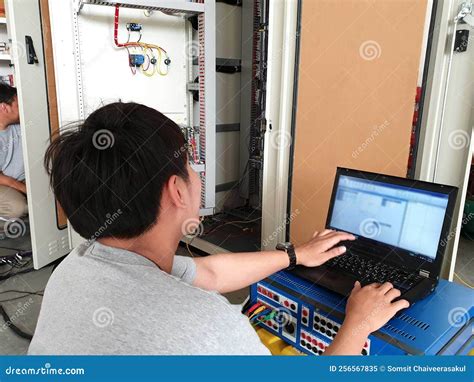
404, 217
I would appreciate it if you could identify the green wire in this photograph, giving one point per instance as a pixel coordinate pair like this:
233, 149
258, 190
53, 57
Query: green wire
270, 315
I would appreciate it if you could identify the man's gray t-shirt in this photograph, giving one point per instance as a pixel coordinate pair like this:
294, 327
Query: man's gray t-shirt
104, 300
11, 153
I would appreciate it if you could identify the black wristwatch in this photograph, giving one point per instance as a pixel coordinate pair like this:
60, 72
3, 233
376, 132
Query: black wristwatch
290, 250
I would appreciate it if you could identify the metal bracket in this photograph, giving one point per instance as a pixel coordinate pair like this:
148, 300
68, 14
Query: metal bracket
237, 3
466, 13
78, 4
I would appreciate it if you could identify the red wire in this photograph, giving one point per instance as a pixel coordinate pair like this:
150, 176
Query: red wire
255, 306
116, 23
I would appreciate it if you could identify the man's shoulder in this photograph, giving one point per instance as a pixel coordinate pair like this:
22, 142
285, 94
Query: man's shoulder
15, 126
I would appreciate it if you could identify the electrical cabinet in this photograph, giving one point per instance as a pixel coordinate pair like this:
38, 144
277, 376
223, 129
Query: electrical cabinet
100, 51
89, 54
244, 115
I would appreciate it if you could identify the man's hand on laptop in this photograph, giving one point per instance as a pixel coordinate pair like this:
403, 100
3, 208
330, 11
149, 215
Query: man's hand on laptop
368, 309
372, 306
322, 247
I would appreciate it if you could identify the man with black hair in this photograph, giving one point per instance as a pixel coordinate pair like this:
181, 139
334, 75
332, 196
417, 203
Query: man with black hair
12, 172
125, 184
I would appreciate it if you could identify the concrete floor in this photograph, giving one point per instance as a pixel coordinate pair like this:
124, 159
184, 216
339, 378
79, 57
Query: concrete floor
24, 311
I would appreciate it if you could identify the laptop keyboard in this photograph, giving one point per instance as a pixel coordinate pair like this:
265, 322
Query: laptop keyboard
368, 271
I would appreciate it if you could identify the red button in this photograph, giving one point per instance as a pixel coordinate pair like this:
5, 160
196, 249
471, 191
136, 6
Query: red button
321, 345
286, 303
303, 336
305, 313
314, 341
259, 289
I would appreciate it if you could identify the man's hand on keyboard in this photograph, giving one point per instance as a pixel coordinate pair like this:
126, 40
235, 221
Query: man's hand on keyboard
372, 306
322, 247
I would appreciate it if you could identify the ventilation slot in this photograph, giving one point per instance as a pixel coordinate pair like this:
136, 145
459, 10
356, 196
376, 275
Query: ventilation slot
419, 324
399, 332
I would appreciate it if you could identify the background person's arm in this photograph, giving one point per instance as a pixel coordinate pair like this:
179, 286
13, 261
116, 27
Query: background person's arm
6, 180
233, 271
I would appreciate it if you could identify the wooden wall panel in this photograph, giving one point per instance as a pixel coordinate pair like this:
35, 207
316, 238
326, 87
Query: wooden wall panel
51, 88
358, 74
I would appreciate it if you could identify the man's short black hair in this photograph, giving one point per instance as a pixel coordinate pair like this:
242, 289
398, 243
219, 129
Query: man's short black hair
7, 93
108, 175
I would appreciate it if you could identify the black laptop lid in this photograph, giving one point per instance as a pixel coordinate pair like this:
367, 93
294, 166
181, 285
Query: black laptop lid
404, 221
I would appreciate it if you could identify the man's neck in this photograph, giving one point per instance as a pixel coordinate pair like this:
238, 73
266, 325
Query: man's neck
158, 245
4, 125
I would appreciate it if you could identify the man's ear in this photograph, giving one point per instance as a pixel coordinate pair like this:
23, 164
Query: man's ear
175, 191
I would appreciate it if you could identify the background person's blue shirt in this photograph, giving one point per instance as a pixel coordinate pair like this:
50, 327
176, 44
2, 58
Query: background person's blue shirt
11, 153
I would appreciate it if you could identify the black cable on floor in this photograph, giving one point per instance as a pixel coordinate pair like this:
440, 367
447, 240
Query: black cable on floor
39, 293
15, 249
13, 327
20, 297
13, 273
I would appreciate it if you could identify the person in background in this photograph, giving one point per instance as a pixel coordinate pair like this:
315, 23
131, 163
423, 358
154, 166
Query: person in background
12, 172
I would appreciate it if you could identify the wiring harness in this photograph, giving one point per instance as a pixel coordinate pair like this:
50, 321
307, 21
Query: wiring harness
148, 58
259, 312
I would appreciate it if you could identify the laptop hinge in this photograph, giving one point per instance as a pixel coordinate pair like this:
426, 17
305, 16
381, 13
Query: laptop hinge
424, 273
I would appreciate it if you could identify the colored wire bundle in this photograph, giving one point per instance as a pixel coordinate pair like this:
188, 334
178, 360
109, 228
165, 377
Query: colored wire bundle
260, 312
153, 53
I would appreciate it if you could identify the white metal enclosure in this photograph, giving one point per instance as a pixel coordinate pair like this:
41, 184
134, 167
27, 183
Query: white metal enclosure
446, 137
48, 241
89, 71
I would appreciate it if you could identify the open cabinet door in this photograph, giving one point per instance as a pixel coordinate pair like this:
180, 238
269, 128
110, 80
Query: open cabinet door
49, 238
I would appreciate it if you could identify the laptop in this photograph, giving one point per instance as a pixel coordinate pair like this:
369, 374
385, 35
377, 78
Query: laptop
401, 227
